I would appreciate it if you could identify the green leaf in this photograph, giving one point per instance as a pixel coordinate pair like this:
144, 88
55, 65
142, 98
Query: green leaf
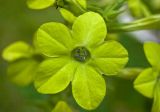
110, 57
53, 39
146, 81
88, 87
54, 75
67, 15
82, 3
152, 53
40, 4
62, 106
89, 29
22, 72
151, 22
156, 102
17, 50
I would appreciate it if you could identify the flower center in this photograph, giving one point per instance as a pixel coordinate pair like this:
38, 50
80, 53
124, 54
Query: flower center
81, 54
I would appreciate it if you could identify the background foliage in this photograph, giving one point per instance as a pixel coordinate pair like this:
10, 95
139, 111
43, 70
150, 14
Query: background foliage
18, 22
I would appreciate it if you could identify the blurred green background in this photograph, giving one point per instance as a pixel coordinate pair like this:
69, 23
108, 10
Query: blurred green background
17, 22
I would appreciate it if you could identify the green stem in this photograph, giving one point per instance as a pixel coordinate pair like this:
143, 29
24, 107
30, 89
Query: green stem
152, 22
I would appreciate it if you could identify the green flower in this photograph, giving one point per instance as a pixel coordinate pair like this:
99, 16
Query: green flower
79, 56
62, 106
22, 63
148, 82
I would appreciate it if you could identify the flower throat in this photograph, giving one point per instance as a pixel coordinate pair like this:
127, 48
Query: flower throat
81, 54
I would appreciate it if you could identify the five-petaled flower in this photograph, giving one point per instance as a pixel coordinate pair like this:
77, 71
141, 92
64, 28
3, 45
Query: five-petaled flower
148, 82
79, 56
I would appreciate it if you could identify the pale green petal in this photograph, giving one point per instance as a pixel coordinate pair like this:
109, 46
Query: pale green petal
145, 82
156, 102
17, 50
22, 72
62, 106
152, 51
88, 87
53, 39
110, 57
89, 29
67, 15
54, 75
39, 4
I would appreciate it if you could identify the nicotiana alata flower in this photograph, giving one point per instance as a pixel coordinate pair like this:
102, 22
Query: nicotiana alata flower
148, 82
23, 62
79, 56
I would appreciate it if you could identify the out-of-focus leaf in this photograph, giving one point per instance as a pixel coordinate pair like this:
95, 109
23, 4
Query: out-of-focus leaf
62, 107
151, 22
17, 50
155, 4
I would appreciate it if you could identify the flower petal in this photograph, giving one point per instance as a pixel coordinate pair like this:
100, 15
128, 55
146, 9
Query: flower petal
152, 53
53, 39
110, 57
39, 4
156, 102
88, 87
145, 82
17, 50
89, 29
62, 106
54, 75
67, 15
82, 3
22, 72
